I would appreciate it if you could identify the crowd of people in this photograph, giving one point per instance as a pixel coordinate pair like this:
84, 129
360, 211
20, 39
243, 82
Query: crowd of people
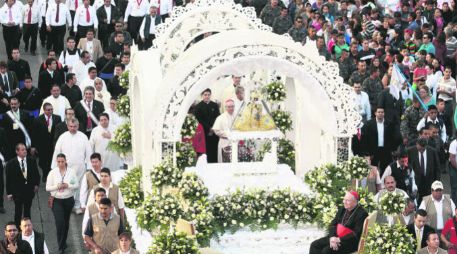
62, 126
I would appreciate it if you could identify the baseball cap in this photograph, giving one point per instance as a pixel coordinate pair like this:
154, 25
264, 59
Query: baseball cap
437, 185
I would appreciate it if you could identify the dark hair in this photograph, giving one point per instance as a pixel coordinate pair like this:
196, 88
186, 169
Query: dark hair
127, 235
51, 50
103, 114
10, 223
61, 155
90, 30
46, 104
91, 69
432, 232
84, 53
26, 219
206, 90
99, 189
420, 212
422, 142
96, 156
105, 201
120, 65
70, 76
27, 76
50, 60
71, 38
106, 170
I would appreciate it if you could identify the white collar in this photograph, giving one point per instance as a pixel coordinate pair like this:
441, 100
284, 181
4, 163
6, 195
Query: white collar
19, 159
28, 237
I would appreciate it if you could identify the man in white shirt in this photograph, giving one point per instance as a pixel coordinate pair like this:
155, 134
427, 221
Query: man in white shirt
56, 17
148, 27
439, 207
81, 68
75, 145
134, 14
222, 127
91, 45
99, 139
31, 21
70, 56
58, 102
362, 102
165, 8
35, 239
85, 19
11, 20
390, 186
431, 117
90, 179
114, 118
446, 91
90, 79
419, 229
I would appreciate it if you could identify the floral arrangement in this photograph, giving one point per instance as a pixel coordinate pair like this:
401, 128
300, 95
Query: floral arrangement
201, 215
357, 167
282, 119
392, 203
328, 178
166, 174
385, 239
130, 187
286, 152
189, 127
185, 155
173, 242
159, 211
124, 80
367, 200
192, 187
276, 91
259, 210
324, 209
123, 106
122, 140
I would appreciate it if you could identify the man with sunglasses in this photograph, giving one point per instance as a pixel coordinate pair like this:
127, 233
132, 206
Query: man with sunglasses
119, 27
427, 44
11, 243
298, 31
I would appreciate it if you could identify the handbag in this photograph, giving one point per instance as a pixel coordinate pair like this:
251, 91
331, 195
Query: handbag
51, 201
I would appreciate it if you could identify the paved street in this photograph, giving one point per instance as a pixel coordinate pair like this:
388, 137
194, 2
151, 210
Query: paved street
42, 216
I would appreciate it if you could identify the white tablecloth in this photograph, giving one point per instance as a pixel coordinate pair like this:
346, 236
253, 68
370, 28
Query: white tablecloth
285, 240
220, 178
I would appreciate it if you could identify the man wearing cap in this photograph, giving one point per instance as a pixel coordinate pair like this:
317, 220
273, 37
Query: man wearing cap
431, 118
439, 207
401, 172
345, 229
425, 163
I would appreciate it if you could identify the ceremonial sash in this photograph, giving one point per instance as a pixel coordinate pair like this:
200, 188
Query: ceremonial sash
342, 230
91, 115
28, 141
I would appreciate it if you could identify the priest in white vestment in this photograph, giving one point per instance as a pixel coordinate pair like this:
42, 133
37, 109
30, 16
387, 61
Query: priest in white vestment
99, 139
222, 127
58, 102
114, 118
89, 80
76, 147
101, 92
81, 68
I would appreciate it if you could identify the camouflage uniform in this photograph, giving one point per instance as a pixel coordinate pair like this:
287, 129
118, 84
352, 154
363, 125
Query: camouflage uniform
298, 34
269, 14
409, 121
358, 76
347, 67
373, 87
282, 24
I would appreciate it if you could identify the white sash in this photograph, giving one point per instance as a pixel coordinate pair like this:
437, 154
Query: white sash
28, 141
91, 115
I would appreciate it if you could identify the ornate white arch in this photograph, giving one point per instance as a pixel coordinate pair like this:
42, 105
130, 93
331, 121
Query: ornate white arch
186, 23
211, 58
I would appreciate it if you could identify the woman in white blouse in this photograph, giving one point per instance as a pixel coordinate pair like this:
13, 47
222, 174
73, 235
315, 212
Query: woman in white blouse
62, 184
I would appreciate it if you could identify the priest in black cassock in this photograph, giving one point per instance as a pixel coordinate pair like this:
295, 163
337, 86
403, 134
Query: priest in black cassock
345, 230
206, 113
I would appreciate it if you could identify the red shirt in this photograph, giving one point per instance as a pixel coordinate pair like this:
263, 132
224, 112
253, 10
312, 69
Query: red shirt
449, 229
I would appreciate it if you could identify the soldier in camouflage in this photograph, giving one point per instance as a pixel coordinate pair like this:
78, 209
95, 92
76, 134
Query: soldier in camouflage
346, 66
361, 73
298, 32
270, 12
409, 120
372, 86
282, 23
